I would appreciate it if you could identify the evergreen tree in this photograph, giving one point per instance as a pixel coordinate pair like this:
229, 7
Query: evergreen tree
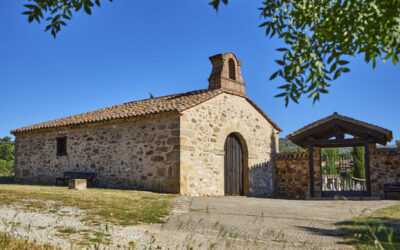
330, 155
358, 162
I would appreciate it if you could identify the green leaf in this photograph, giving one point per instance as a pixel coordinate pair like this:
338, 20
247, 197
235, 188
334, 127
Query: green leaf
281, 94
324, 91
333, 68
87, 9
216, 3
395, 58
345, 70
337, 74
30, 6
282, 49
27, 13
294, 98
30, 18
285, 86
274, 75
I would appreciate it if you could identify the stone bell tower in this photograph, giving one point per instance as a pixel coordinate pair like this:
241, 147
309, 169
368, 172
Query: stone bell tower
226, 74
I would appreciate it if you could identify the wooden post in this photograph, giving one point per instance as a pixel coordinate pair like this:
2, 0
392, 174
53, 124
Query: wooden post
311, 169
367, 169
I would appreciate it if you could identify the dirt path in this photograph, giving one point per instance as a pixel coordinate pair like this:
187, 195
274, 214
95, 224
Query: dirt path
201, 223
251, 223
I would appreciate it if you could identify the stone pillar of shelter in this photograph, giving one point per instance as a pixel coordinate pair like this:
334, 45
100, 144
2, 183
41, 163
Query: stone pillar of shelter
317, 182
317, 173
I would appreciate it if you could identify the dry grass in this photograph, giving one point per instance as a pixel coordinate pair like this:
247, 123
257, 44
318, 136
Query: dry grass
119, 207
8, 242
389, 213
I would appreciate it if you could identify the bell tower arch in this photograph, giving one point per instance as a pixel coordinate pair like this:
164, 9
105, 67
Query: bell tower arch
226, 74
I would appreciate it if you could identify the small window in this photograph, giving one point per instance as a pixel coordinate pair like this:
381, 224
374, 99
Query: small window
232, 69
61, 146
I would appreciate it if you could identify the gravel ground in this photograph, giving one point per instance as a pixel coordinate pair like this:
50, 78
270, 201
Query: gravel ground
67, 229
200, 223
253, 223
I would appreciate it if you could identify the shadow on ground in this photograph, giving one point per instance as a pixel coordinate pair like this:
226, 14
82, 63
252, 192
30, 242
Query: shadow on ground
364, 232
7, 180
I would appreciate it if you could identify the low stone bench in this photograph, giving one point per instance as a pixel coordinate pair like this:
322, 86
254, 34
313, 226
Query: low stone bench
77, 184
70, 175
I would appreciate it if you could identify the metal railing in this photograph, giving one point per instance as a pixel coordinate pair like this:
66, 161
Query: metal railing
339, 183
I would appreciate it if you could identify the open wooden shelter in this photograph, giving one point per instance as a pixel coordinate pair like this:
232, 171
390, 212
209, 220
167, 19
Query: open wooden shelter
338, 131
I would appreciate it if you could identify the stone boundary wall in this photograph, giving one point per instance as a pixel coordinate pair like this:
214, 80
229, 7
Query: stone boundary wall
293, 172
384, 168
292, 175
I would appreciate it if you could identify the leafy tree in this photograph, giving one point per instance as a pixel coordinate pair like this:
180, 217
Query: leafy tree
6, 167
57, 12
6, 156
358, 161
6, 139
6, 149
319, 36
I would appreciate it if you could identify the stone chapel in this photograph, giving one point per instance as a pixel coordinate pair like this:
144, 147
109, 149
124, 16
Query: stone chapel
213, 142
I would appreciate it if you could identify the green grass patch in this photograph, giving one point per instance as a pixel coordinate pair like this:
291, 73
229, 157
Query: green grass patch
380, 230
120, 207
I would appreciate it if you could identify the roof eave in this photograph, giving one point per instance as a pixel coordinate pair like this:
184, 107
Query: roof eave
21, 131
298, 136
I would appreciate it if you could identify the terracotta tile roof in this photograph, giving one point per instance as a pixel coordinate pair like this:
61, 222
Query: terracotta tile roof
169, 103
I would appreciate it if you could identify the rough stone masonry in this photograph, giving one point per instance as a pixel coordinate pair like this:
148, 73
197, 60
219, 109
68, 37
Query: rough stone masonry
173, 143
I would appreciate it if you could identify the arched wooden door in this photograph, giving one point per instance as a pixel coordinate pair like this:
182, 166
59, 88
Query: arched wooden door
234, 166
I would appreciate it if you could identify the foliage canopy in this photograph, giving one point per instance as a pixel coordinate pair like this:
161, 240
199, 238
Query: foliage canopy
319, 36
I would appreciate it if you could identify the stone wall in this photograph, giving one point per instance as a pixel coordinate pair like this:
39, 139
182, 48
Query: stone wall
293, 179
140, 153
384, 168
204, 130
292, 175
317, 173
293, 172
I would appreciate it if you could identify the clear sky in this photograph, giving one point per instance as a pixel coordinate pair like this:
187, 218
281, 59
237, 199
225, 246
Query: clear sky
128, 48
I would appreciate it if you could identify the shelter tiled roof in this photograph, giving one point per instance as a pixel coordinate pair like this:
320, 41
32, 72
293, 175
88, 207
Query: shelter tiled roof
169, 103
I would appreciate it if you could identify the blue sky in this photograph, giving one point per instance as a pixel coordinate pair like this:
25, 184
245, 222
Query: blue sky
127, 49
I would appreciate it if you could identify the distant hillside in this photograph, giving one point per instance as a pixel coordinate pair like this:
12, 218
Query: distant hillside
286, 145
